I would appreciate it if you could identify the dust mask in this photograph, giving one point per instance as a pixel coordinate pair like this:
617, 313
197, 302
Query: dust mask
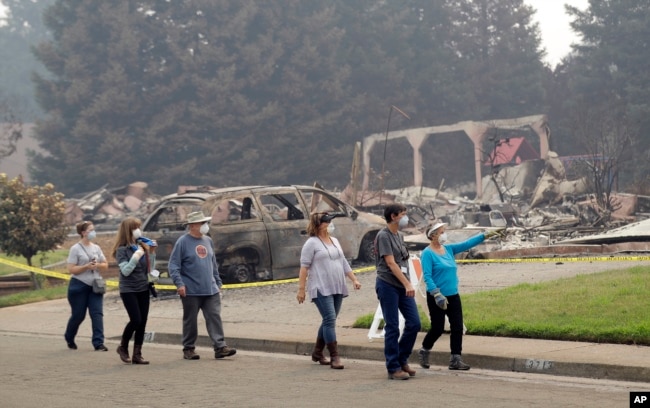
137, 233
330, 228
92, 235
205, 228
403, 222
442, 238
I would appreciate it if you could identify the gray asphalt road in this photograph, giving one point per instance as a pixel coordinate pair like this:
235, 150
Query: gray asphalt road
35, 375
37, 371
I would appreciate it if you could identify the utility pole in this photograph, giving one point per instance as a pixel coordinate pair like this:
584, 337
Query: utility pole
383, 163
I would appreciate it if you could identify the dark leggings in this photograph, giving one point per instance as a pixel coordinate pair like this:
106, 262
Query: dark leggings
137, 306
455, 314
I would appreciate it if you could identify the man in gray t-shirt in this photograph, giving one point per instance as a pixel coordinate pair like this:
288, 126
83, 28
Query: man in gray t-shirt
396, 294
388, 243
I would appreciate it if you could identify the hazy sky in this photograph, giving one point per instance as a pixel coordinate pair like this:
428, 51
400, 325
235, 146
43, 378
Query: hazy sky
554, 24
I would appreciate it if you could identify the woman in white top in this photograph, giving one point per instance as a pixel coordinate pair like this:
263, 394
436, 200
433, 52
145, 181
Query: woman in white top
85, 261
323, 261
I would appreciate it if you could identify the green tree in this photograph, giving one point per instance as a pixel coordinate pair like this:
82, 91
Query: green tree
21, 29
610, 67
494, 50
31, 219
11, 130
222, 93
604, 131
500, 54
209, 92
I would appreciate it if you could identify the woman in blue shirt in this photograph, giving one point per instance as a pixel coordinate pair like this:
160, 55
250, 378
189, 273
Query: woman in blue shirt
440, 273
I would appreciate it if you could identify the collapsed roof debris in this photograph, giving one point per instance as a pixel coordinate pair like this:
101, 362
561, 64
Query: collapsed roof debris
638, 231
553, 186
106, 208
544, 213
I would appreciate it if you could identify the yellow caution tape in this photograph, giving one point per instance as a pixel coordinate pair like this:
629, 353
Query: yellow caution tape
45, 272
277, 282
559, 259
115, 283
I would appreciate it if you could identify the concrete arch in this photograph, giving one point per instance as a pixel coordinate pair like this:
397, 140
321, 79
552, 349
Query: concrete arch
476, 131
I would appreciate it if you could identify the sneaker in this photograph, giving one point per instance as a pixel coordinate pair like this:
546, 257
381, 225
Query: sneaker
398, 375
456, 363
101, 347
189, 354
423, 358
224, 351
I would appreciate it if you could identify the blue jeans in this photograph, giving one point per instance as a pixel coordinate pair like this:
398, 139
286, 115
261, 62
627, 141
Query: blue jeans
329, 308
82, 297
393, 301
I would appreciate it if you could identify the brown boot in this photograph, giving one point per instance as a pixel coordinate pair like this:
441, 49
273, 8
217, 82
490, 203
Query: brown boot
123, 351
317, 354
408, 370
137, 355
334, 354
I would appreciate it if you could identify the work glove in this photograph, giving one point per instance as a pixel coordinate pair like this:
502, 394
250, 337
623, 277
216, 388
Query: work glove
138, 254
493, 233
439, 298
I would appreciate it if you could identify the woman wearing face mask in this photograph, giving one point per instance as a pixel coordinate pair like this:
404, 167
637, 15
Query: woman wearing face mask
135, 260
323, 261
440, 274
85, 261
396, 294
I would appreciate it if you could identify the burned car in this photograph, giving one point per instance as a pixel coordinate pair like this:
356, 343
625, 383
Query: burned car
259, 231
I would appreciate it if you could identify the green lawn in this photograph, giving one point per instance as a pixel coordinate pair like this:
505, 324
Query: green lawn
30, 296
607, 307
41, 259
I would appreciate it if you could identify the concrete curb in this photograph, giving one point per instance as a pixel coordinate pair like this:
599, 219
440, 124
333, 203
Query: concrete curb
374, 352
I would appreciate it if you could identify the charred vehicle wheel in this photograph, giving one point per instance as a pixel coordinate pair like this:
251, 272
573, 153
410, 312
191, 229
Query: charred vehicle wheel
241, 273
367, 249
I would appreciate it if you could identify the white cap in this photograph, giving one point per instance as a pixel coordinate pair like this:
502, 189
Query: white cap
434, 227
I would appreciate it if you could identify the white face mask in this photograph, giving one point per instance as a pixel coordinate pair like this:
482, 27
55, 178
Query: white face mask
92, 235
403, 222
137, 233
205, 228
442, 238
330, 228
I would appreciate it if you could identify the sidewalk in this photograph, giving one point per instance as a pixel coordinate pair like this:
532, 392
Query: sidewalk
601, 361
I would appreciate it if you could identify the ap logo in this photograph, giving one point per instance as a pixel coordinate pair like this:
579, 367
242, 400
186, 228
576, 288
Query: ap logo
640, 399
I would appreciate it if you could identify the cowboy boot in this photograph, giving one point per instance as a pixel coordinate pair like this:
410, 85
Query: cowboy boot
123, 351
317, 354
334, 354
137, 355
